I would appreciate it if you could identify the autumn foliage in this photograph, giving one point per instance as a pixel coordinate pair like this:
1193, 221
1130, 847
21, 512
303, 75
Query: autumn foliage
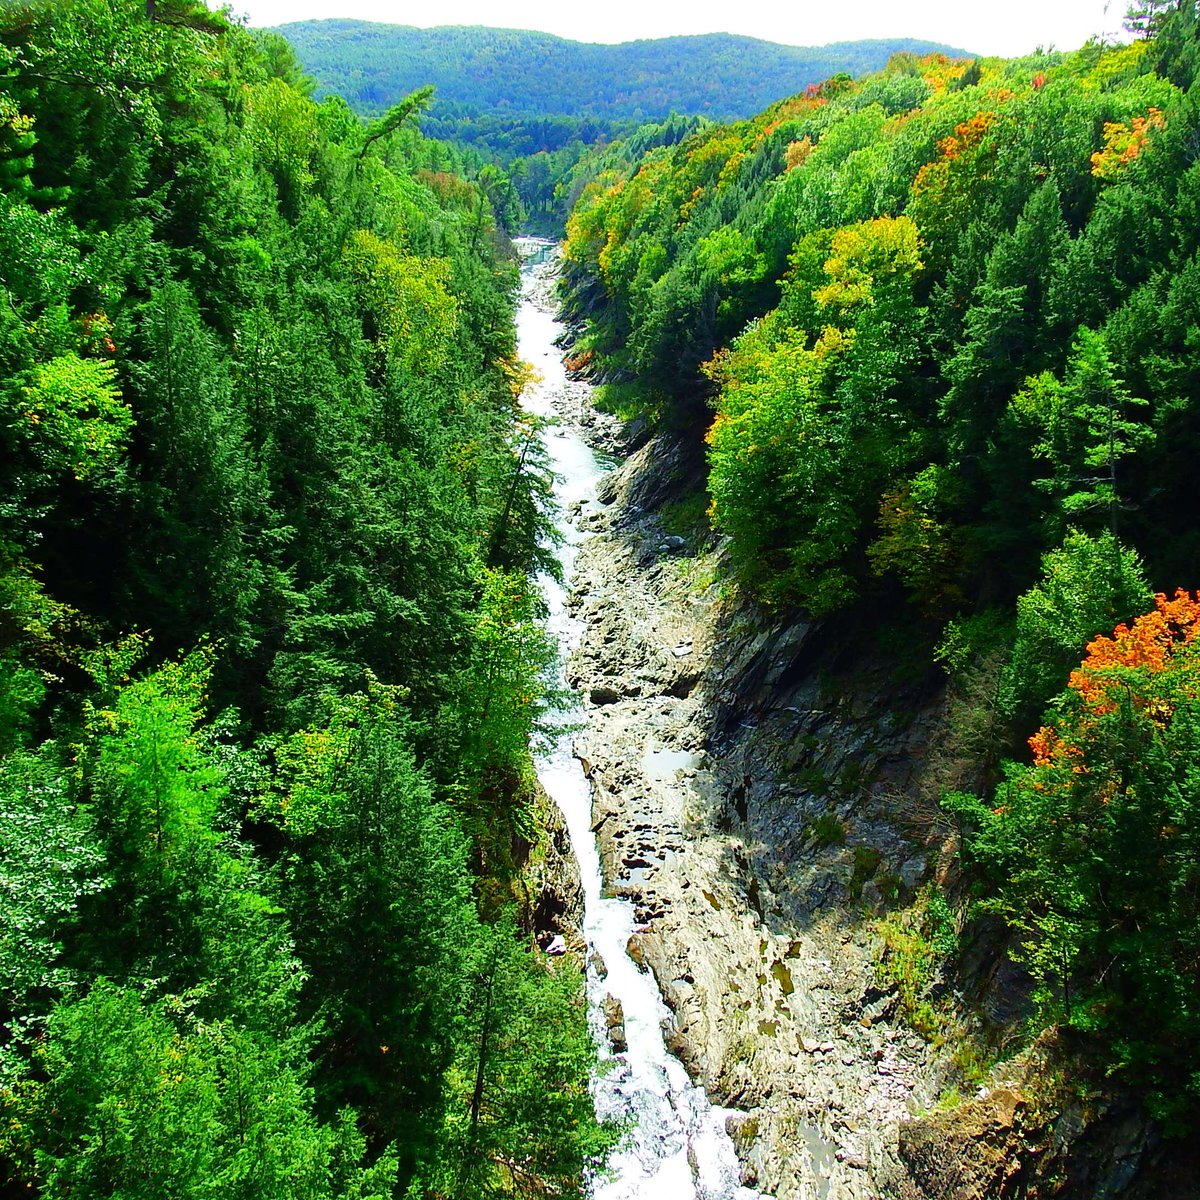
1125, 143
1094, 845
1152, 643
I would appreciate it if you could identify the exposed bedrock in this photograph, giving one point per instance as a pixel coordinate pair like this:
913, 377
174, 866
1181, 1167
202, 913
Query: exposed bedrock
756, 795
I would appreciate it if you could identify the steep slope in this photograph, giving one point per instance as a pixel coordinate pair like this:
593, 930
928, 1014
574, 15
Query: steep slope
943, 316
752, 784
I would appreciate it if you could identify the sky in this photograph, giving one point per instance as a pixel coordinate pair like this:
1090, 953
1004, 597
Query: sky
1007, 28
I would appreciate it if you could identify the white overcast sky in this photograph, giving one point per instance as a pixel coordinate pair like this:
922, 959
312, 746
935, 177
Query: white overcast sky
1007, 27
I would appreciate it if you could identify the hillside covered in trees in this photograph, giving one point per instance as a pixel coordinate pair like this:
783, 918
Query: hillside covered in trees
937, 328
270, 659
521, 91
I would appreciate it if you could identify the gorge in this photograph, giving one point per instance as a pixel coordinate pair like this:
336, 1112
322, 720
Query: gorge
739, 992
677, 1140
837, 837
716, 742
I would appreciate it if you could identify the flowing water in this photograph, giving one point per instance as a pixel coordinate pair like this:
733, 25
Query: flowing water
677, 1147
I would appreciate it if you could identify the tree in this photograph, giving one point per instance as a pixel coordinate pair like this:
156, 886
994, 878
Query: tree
499, 711
1147, 18
521, 1122
524, 534
282, 126
186, 904
1007, 328
82, 424
199, 495
378, 892
49, 860
774, 465
1088, 585
1092, 850
916, 540
496, 190
812, 425
144, 1100
412, 105
1085, 430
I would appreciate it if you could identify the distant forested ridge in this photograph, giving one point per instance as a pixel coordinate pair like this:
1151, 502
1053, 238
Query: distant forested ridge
938, 328
478, 70
535, 105
270, 651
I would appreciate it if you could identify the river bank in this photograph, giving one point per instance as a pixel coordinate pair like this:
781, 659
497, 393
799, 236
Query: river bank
776, 1013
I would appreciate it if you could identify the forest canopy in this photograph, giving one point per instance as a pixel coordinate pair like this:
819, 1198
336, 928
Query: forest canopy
542, 108
531, 74
269, 529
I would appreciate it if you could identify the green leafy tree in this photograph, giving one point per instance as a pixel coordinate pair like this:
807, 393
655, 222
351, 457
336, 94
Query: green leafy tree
412, 105
144, 1100
917, 540
502, 707
770, 453
1086, 427
524, 534
379, 896
186, 904
1088, 585
1006, 330
522, 1122
1172, 25
808, 433
49, 860
199, 494
76, 413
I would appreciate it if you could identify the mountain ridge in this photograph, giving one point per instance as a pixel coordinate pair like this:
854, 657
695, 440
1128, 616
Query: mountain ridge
482, 67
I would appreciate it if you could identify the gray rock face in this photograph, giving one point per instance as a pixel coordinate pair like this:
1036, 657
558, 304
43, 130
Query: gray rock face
556, 909
753, 795
614, 1022
703, 715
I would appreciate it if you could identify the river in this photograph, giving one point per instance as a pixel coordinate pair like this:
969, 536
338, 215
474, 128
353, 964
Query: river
677, 1147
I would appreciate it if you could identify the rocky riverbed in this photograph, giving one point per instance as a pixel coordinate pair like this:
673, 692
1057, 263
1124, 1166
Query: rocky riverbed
770, 979
723, 750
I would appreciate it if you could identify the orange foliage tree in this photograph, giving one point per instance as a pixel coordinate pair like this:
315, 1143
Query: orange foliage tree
1094, 852
1125, 143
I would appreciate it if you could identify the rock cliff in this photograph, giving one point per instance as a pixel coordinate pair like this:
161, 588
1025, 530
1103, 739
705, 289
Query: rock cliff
761, 793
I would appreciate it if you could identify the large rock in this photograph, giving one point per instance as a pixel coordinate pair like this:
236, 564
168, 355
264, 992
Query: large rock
614, 1023
556, 886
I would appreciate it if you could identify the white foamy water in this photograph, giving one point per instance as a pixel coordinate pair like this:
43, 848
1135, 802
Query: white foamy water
677, 1147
